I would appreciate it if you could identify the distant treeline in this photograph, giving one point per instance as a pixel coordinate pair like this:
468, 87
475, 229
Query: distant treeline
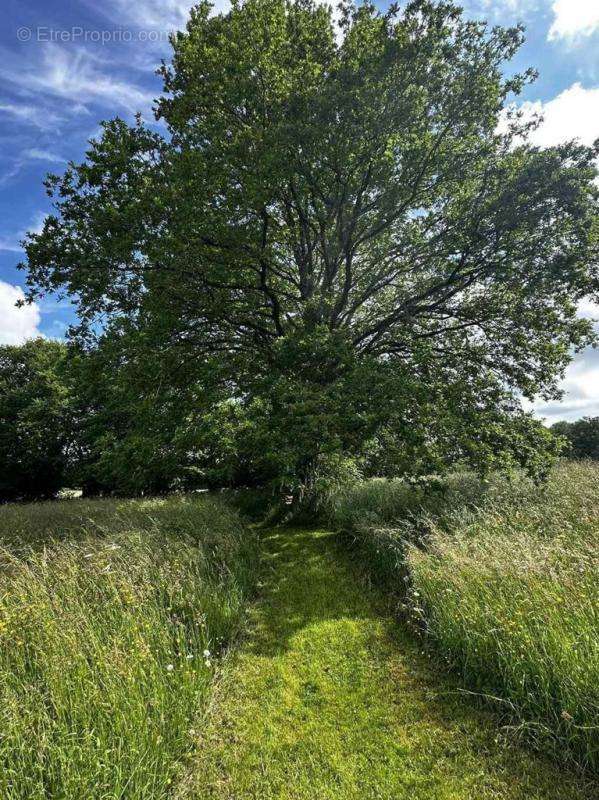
582, 437
133, 417
70, 418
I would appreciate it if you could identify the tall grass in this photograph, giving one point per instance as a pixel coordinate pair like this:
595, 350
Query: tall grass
503, 578
107, 613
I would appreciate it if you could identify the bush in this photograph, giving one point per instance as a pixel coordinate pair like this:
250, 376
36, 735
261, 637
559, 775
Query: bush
502, 578
106, 612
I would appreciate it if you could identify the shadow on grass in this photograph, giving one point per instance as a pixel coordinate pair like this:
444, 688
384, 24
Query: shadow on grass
309, 580
304, 582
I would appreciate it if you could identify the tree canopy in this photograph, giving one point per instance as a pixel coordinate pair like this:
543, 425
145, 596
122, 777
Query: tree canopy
582, 437
341, 233
34, 420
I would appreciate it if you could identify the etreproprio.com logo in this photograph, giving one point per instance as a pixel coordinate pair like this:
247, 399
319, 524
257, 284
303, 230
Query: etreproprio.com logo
82, 35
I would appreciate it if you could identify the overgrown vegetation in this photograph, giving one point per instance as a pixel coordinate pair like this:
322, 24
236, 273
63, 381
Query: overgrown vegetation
338, 254
501, 577
111, 618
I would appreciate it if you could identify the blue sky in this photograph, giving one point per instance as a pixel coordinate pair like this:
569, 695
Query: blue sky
68, 64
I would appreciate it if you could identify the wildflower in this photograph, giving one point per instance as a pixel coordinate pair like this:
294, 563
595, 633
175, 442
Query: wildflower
170, 667
206, 654
189, 656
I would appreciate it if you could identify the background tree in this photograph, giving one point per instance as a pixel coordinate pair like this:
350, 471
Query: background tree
336, 223
142, 412
582, 437
35, 432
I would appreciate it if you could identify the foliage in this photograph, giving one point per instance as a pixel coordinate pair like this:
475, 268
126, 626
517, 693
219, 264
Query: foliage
501, 577
139, 419
34, 420
582, 437
450, 428
336, 228
106, 610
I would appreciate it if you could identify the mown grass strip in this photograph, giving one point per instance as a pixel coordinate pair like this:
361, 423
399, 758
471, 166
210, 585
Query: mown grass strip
330, 699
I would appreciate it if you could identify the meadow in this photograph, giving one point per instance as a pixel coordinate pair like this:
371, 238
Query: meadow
501, 579
113, 615
117, 616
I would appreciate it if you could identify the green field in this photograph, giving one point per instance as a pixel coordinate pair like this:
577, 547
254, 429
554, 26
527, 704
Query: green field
164, 648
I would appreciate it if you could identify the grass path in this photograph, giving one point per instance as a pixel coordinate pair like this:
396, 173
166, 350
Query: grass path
328, 699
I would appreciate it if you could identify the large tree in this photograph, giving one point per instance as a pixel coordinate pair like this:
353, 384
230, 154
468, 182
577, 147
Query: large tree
335, 218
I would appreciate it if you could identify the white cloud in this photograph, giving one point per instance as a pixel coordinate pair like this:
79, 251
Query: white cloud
36, 154
11, 243
32, 154
74, 75
581, 395
513, 6
164, 15
574, 18
580, 384
573, 114
172, 15
17, 324
502, 11
31, 115
588, 309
